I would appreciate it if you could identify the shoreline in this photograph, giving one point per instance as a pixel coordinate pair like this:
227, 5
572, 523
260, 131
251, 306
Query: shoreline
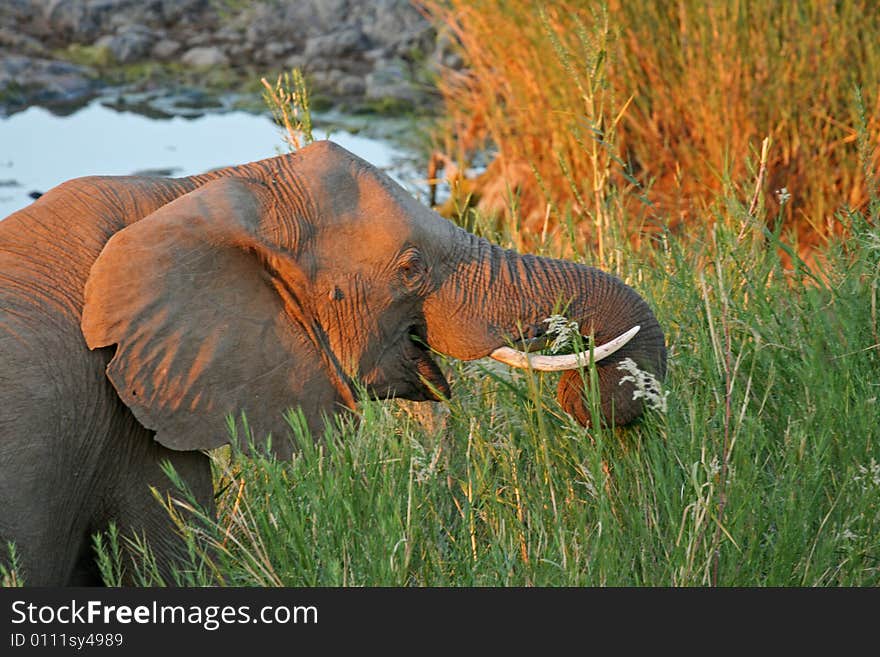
378, 57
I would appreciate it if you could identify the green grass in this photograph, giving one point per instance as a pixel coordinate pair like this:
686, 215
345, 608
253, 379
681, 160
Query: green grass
764, 471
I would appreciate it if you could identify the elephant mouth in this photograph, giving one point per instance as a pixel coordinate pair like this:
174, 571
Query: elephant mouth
432, 385
410, 371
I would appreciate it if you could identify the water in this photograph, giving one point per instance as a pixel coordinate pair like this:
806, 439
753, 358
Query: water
39, 150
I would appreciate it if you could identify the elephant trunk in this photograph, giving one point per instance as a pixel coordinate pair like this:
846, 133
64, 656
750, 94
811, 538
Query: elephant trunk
497, 297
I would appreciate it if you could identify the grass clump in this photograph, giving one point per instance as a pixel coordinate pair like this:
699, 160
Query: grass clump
10, 575
288, 100
572, 95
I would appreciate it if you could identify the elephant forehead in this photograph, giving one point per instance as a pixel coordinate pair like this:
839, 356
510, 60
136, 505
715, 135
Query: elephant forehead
372, 220
359, 213
362, 242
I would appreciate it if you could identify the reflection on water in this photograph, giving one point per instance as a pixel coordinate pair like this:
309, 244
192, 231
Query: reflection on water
39, 150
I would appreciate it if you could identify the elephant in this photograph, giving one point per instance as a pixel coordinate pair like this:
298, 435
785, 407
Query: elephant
138, 314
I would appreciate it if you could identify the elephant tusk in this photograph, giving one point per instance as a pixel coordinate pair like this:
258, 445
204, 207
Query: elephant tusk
520, 359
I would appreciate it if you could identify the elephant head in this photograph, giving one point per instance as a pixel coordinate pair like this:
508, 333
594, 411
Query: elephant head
284, 282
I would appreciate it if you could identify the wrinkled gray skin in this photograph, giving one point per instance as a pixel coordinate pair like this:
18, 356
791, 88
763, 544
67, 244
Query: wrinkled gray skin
137, 313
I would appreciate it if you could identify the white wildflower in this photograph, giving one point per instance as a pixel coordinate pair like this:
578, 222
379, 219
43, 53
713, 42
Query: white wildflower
869, 475
564, 330
783, 195
587, 480
714, 468
647, 386
871, 241
423, 466
847, 535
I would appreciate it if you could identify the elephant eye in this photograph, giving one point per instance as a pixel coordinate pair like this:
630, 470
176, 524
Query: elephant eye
411, 268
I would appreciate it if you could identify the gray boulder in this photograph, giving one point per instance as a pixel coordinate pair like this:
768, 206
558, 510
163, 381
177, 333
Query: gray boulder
165, 49
386, 22
351, 86
28, 80
337, 44
391, 80
129, 44
296, 61
326, 80
275, 50
82, 21
20, 43
205, 57
184, 12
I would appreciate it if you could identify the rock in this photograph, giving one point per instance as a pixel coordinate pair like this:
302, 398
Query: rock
391, 80
82, 21
296, 61
414, 45
313, 65
26, 80
238, 52
199, 39
276, 50
20, 43
228, 34
375, 54
130, 44
166, 49
337, 44
322, 16
351, 85
337, 41
264, 23
205, 57
389, 20
183, 12
326, 80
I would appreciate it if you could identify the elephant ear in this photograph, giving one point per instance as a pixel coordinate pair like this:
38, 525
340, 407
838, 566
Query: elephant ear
200, 328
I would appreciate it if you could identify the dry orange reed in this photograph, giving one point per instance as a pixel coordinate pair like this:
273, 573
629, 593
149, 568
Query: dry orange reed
580, 100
